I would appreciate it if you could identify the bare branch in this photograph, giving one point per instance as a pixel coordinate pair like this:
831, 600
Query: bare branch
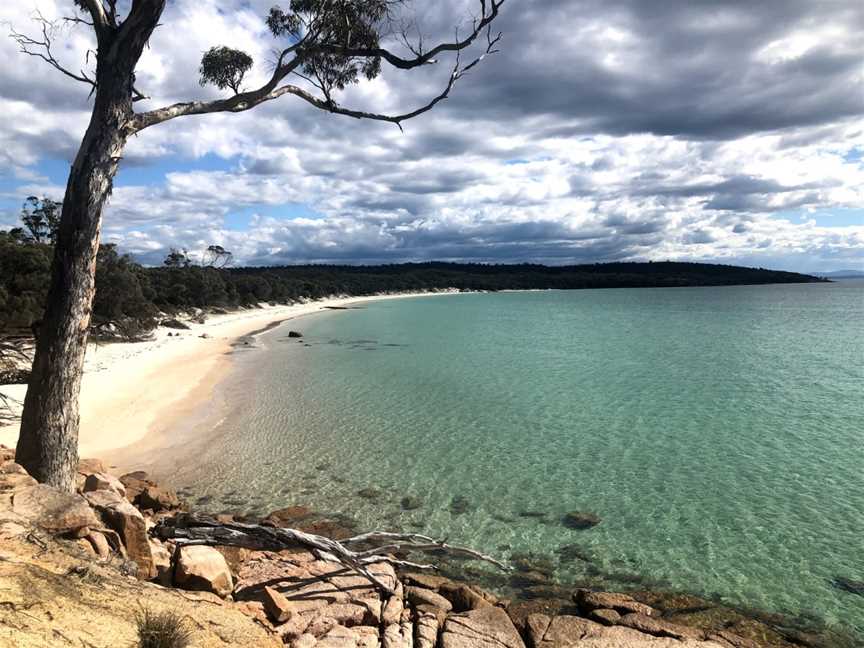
489, 12
42, 48
269, 92
202, 530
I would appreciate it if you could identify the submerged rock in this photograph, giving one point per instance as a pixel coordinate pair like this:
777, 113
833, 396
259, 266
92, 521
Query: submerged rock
849, 585
410, 503
580, 520
369, 493
459, 505
295, 334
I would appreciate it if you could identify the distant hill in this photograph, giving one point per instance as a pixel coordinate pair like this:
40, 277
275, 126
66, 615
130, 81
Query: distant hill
841, 274
131, 298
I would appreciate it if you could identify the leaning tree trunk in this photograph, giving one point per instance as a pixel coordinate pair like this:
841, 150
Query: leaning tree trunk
48, 442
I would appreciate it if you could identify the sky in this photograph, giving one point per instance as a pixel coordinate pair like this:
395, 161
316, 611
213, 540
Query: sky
727, 131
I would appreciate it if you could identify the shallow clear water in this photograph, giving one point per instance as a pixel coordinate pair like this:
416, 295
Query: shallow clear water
716, 431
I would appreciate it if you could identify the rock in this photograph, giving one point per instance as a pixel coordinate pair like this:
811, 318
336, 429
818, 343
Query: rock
580, 520
621, 603
174, 324
395, 637
203, 569
605, 616
339, 637
161, 562
287, 517
426, 633
135, 483
13, 478
410, 503
295, 334
347, 614
485, 627
304, 641
104, 481
276, 606
392, 610
429, 581
460, 505
6, 454
52, 510
158, 499
660, 628
422, 596
464, 597
369, 493
100, 544
89, 466
119, 515
849, 585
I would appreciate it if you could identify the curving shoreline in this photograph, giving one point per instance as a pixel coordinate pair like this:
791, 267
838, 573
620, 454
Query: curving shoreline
134, 395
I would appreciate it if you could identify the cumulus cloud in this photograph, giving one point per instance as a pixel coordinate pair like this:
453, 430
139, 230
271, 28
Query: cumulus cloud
603, 130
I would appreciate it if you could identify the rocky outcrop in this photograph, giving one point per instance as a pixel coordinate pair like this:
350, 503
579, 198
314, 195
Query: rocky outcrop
155, 498
103, 481
54, 511
486, 627
203, 569
123, 518
620, 603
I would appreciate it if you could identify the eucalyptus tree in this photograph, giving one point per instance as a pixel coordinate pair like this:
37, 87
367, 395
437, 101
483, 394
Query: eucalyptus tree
324, 46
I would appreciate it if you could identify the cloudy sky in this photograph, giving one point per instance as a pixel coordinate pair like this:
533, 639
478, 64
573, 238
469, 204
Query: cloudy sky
725, 130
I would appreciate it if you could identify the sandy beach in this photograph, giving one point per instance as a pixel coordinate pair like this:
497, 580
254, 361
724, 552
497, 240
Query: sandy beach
132, 391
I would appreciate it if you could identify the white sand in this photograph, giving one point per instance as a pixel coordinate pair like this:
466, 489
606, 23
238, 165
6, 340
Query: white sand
133, 390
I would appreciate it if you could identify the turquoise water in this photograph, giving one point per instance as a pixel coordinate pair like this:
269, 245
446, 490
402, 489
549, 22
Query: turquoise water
716, 431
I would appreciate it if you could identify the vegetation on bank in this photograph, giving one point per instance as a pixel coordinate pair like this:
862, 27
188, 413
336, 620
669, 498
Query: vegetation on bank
131, 298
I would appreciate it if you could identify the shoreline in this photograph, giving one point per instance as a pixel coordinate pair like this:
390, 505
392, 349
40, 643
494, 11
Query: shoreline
133, 394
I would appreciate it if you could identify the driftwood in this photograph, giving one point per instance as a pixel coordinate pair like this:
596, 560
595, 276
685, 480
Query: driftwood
377, 546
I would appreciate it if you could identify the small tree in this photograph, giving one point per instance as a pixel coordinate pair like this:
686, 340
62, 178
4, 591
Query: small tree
41, 218
331, 44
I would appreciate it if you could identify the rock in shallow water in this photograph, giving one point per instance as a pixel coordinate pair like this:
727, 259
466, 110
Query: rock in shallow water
580, 520
849, 585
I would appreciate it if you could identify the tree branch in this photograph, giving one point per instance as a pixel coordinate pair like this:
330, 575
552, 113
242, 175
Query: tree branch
201, 530
489, 12
42, 49
97, 12
269, 92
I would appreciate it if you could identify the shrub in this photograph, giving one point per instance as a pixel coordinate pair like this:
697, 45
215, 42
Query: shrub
162, 629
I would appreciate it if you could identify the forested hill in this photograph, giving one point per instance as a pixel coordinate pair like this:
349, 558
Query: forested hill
131, 298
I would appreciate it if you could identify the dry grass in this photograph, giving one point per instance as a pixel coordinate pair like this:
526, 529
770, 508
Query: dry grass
162, 629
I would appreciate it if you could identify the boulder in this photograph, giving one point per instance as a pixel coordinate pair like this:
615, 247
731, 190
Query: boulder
100, 544
295, 334
158, 499
104, 481
203, 569
52, 510
118, 514
580, 520
90, 466
13, 478
621, 603
161, 562
464, 597
429, 581
422, 596
426, 633
174, 324
485, 627
277, 607
660, 628
135, 483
